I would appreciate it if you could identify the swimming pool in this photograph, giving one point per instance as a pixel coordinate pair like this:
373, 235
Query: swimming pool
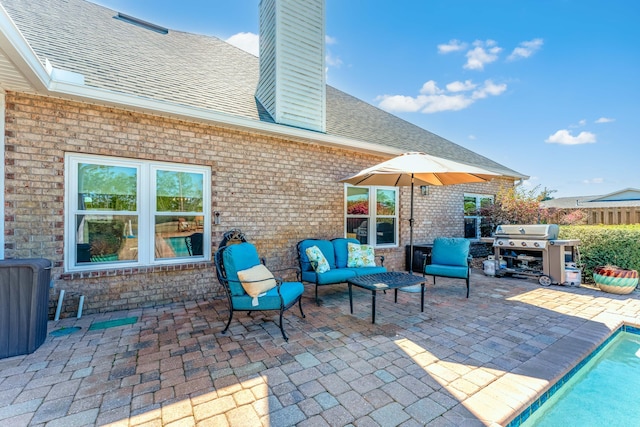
601, 390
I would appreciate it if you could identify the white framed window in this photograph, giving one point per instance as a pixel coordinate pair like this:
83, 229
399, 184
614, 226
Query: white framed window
128, 213
475, 226
371, 215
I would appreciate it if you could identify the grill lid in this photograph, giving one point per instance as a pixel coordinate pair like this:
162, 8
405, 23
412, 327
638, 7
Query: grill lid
530, 231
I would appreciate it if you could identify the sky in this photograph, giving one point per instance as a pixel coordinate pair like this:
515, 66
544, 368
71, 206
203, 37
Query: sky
549, 88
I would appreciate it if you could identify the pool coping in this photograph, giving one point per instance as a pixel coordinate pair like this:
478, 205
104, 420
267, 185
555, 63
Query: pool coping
519, 416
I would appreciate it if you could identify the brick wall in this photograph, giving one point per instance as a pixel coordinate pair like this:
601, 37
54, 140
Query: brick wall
277, 191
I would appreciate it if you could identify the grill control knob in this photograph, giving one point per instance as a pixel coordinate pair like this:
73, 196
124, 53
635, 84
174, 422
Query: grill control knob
511, 243
500, 242
524, 243
536, 244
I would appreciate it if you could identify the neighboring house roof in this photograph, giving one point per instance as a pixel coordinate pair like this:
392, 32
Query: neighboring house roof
629, 197
195, 75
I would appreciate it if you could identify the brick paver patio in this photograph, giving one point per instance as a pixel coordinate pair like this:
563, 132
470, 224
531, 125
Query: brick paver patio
463, 362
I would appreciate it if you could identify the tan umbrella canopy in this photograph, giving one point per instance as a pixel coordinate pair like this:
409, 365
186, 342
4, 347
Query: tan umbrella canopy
421, 169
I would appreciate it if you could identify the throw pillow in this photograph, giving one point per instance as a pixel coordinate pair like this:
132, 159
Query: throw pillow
354, 256
317, 259
256, 281
360, 256
368, 256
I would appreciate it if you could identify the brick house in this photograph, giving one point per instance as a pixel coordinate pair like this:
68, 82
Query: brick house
124, 141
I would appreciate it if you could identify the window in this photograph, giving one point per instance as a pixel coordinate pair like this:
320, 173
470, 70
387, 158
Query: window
475, 226
372, 215
123, 213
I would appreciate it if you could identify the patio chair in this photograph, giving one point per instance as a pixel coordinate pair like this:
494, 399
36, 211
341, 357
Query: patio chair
449, 258
247, 282
194, 244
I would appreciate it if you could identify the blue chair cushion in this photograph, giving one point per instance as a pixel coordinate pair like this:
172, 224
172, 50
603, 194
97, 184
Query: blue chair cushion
338, 275
325, 247
271, 301
452, 251
340, 247
447, 271
237, 258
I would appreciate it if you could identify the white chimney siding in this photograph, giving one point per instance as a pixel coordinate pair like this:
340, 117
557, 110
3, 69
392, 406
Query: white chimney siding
292, 62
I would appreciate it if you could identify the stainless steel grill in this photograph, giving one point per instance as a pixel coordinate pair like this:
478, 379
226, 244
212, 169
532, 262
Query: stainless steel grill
534, 251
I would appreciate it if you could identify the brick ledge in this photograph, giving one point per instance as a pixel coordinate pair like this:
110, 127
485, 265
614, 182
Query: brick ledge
135, 270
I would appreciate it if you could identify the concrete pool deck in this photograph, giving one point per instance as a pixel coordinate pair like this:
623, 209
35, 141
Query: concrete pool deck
463, 362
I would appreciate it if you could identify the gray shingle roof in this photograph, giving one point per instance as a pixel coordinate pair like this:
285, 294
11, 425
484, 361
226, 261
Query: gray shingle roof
198, 71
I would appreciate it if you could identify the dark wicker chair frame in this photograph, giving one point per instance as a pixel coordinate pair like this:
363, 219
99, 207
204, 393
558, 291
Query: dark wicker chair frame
233, 237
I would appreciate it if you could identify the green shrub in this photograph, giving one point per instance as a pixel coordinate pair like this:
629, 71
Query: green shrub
605, 245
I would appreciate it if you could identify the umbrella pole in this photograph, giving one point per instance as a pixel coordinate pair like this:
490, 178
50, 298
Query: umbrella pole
411, 231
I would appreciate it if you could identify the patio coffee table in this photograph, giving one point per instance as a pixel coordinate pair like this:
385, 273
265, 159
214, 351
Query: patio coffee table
382, 282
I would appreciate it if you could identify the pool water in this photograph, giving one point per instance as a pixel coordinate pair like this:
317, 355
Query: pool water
604, 392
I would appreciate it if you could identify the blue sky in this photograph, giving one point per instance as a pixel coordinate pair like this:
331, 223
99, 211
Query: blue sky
548, 88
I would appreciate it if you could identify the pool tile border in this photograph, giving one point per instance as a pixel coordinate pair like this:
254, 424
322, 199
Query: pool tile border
527, 412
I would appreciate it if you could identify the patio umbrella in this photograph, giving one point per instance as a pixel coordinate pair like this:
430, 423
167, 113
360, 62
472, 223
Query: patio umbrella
410, 169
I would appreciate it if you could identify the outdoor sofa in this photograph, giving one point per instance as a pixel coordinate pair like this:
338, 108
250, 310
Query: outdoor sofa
336, 253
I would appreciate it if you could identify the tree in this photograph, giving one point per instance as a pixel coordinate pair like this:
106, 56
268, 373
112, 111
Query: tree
514, 205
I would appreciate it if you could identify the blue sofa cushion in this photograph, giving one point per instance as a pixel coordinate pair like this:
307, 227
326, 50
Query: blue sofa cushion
447, 271
237, 258
451, 251
324, 245
338, 275
340, 247
271, 301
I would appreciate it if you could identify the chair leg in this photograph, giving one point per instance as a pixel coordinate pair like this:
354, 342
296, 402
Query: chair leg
467, 287
281, 327
300, 305
317, 300
224, 331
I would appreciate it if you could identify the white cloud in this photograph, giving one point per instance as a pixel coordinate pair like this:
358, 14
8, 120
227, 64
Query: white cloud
483, 53
489, 89
430, 88
605, 120
400, 103
453, 46
437, 103
249, 42
525, 49
459, 86
330, 40
333, 61
564, 137
593, 181
433, 99
472, 137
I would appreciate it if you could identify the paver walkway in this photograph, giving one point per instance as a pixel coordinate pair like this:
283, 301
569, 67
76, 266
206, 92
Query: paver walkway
463, 362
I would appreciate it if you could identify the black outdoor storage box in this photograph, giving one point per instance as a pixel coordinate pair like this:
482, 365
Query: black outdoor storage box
24, 305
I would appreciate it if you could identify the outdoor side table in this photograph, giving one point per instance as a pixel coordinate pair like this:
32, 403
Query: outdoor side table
383, 281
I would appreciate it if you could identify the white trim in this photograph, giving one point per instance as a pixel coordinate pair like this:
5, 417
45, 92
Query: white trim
372, 217
478, 218
2, 181
146, 211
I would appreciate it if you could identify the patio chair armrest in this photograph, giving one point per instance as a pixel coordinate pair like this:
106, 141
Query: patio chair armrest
381, 259
298, 273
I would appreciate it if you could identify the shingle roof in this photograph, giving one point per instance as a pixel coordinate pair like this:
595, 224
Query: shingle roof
198, 71
588, 202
